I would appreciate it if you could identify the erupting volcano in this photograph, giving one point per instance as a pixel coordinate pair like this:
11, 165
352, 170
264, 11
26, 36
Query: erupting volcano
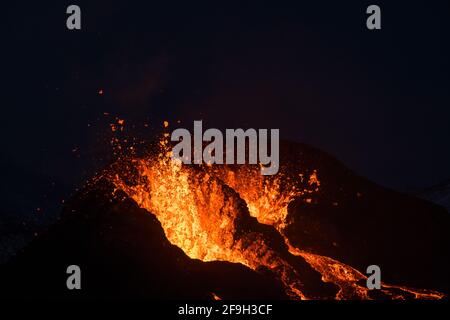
308, 232
208, 211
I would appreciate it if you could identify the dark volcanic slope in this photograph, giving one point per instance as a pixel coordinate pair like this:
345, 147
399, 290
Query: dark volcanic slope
122, 252
360, 223
439, 194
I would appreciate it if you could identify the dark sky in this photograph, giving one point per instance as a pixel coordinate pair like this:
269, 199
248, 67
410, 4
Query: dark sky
377, 100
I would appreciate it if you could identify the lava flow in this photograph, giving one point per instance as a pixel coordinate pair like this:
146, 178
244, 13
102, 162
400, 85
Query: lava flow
233, 213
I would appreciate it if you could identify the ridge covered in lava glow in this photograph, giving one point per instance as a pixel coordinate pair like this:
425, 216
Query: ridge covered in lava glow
232, 213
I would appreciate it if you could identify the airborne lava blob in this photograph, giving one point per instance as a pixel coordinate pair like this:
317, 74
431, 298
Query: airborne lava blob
209, 212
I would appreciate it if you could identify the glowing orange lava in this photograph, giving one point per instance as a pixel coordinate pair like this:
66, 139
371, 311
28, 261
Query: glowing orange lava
207, 211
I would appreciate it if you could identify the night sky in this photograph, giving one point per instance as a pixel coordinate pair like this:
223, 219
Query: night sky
379, 101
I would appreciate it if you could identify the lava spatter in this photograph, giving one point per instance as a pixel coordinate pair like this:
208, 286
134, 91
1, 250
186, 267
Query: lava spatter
209, 212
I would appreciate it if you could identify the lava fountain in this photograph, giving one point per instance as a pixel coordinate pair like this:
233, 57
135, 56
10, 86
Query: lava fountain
233, 213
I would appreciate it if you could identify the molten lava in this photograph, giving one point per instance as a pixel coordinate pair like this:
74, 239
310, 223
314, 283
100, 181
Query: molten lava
209, 212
